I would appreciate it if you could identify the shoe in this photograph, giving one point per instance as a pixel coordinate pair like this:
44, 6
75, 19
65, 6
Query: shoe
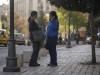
34, 64
52, 65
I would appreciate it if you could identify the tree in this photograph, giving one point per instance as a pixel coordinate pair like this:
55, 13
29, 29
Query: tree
20, 24
3, 24
3, 18
41, 20
62, 16
78, 19
90, 6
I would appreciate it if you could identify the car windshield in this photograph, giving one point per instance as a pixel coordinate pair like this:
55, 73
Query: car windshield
1, 32
19, 35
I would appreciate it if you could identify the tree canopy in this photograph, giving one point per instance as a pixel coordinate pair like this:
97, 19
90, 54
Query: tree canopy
78, 5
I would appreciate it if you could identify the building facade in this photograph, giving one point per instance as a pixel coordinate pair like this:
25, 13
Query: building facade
0, 16
24, 7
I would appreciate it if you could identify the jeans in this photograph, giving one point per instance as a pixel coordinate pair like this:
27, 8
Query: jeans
36, 48
52, 50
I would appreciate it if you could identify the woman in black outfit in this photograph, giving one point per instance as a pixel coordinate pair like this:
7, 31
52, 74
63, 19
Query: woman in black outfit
36, 45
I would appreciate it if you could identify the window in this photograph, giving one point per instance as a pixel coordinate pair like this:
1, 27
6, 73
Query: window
47, 8
39, 1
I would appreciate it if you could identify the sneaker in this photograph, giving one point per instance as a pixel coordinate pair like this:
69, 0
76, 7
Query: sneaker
34, 64
52, 65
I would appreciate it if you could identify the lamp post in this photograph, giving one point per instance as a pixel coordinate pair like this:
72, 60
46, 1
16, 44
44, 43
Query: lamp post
73, 25
65, 28
11, 60
68, 41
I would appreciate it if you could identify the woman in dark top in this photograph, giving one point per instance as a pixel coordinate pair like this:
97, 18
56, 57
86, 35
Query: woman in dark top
36, 45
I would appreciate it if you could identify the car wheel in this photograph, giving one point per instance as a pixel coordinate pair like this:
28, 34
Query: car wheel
5, 45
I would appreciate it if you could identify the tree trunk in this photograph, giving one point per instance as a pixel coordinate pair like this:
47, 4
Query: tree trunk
93, 37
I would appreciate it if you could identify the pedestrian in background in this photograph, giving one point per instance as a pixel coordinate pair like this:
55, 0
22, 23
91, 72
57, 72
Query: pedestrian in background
77, 37
52, 36
36, 45
60, 40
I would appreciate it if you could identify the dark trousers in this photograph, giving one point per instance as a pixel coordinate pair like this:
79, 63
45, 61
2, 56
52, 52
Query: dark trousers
34, 56
52, 50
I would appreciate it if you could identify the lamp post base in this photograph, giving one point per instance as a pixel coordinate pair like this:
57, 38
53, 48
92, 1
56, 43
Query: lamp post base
11, 69
68, 45
11, 65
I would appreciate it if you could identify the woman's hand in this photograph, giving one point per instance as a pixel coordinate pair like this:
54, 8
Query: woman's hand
40, 27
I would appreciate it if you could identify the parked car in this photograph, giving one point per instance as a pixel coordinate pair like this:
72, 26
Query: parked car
89, 39
20, 39
4, 35
29, 43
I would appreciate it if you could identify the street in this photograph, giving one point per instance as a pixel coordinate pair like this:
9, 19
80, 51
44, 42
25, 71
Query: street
4, 50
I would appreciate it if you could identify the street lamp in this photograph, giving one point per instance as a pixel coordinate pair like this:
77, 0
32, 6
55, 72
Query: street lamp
73, 25
65, 28
68, 41
11, 60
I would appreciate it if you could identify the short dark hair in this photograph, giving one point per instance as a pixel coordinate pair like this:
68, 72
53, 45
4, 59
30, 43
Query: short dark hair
32, 14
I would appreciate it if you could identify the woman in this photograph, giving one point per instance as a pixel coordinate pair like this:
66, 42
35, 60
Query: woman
36, 45
52, 36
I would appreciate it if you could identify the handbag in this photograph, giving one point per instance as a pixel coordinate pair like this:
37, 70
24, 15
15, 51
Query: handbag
47, 45
38, 35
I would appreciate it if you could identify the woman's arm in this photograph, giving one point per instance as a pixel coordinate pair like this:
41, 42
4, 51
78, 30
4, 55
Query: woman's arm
32, 26
55, 25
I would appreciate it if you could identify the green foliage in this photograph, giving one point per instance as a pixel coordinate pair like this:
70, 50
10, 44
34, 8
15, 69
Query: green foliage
8, 28
97, 21
41, 20
3, 18
62, 16
77, 19
3, 24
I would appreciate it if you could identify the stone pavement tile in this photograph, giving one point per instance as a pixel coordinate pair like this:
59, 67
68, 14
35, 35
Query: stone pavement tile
80, 67
52, 69
48, 70
77, 70
90, 70
72, 68
85, 67
96, 70
6, 73
61, 65
74, 73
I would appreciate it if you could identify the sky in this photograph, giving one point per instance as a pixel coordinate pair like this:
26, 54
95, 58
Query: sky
3, 1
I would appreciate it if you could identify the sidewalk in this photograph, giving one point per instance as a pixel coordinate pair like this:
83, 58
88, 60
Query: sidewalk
71, 61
